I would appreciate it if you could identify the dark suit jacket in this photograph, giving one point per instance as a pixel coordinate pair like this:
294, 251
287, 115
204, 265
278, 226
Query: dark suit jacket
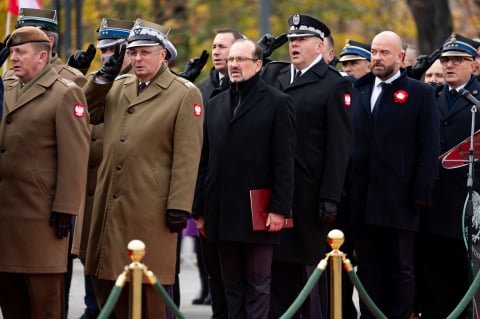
321, 103
254, 149
450, 192
394, 156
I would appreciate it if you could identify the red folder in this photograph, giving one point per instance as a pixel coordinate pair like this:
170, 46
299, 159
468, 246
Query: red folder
459, 155
260, 202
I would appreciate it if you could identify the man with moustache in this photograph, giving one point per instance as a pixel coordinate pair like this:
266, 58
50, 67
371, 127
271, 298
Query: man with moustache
393, 160
321, 101
249, 142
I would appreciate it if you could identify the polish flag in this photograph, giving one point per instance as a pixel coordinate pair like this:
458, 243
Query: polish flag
14, 5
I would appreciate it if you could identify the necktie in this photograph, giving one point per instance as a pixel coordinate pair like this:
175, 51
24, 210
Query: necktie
377, 101
141, 87
453, 98
298, 73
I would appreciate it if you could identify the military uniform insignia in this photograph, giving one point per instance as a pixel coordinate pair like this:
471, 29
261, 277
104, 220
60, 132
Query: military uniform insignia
79, 110
296, 20
197, 109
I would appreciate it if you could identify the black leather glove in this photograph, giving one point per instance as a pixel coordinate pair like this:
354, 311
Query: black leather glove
269, 43
4, 51
177, 220
62, 223
327, 213
417, 70
81, 60
334, 62
112, 65
422, 206
194, 67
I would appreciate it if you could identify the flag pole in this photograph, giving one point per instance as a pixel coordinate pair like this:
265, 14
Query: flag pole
7, 31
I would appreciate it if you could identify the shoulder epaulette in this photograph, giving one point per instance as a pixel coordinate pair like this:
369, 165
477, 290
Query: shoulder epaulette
66, 82
185, 82
73, 70
123, 76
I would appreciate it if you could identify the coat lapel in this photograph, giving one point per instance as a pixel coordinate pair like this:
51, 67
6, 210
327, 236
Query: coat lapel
154, 89
284, 78
38, 88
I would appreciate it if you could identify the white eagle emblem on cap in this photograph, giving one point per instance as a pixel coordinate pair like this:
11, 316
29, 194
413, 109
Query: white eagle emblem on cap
296, 20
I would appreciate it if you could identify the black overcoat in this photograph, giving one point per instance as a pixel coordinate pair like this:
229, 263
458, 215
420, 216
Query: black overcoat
321, 101
394, 156
254, 149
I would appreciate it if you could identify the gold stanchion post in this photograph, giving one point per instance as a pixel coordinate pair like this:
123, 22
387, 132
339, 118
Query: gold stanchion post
336, 257
136, 251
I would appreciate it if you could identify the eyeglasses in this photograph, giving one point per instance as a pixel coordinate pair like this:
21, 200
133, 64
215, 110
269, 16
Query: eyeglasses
143, 53
456, 60
239, 59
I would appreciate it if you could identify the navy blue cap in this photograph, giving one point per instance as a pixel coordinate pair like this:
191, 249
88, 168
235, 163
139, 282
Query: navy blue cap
113, 32
457, 45
354, 50
302, 25
44, 19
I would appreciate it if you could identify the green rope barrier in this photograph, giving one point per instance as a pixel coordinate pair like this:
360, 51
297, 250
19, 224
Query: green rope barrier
306, 290
170, 304
362, 292
111, 302
152, 279
114, 295
466, 299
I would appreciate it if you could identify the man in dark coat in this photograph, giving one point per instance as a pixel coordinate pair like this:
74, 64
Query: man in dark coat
216, 82
394, 156
321, 100
444, 281
249, 142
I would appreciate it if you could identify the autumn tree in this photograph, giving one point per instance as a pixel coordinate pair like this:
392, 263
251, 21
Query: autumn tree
434, 22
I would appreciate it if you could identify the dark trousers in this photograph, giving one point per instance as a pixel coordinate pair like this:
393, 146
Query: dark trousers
33, 296
153, 306
443, 275
385, 260
217, 290
288, 279
89, 299
246, 274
